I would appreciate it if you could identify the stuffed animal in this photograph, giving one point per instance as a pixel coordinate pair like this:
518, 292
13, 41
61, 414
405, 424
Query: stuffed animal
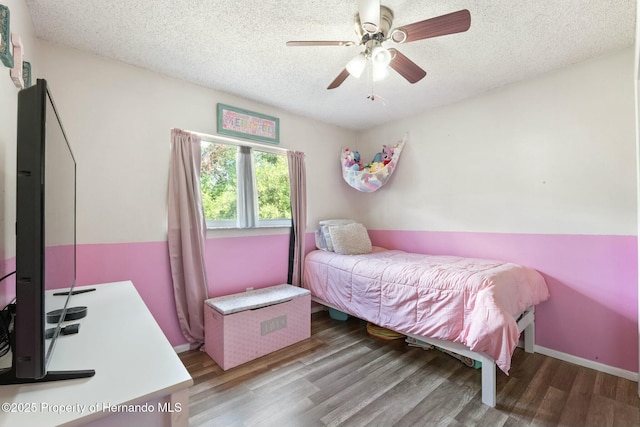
356, 158
346, 156
387, 154
352, 160
375, 167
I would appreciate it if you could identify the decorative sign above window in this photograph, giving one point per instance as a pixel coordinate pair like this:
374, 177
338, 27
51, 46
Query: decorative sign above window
248, 124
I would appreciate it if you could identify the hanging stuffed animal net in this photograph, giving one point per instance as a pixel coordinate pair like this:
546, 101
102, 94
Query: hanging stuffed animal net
369, 178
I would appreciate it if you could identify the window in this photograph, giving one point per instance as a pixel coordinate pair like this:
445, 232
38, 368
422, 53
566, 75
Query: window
244, 187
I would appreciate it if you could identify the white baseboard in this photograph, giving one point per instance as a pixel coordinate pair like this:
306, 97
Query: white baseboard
623, 373
182, 348
316, 308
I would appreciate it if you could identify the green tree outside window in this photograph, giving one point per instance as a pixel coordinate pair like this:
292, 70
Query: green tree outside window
219, 182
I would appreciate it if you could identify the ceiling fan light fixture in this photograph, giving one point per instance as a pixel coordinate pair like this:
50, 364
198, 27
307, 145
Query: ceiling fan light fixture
379, 72
380, 56
369, 27
369, 15
356, 66
373, 24
399, 35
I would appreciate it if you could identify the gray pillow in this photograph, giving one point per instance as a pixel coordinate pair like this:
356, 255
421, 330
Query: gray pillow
350, 239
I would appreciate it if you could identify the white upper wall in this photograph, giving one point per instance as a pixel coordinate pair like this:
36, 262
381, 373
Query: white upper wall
118, 119
555, 154
20, 24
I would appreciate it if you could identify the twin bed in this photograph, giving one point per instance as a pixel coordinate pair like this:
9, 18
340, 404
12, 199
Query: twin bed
473, 307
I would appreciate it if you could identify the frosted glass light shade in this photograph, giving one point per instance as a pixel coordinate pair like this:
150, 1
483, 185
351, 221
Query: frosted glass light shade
356, 66
379, 72
380, 56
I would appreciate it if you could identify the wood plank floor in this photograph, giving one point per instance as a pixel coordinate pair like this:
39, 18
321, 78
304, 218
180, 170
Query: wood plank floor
342, 376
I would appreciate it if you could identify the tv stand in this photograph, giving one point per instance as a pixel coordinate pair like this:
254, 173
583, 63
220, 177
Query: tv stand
9, 377
139, 379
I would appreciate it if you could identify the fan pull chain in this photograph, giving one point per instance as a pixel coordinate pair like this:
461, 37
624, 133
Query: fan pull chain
372, 95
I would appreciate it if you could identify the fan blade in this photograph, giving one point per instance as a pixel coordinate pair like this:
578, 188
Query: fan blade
320, 43
369, 11
406, 67
455, 22
338, 80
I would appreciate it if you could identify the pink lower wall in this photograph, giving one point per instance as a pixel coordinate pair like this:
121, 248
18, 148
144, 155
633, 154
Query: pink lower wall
233, 265
8, 285
237, 263
593, 281
146, 265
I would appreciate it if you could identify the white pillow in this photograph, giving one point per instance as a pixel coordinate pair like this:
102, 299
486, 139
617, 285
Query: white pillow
350, 239
321, 243
327, 237
336, 221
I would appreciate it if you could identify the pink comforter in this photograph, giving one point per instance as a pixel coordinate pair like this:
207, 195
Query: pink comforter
464, 300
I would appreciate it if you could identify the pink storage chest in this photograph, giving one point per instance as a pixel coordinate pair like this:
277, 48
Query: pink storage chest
244, 326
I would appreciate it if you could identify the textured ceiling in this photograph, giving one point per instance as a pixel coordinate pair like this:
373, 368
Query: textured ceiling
238, 47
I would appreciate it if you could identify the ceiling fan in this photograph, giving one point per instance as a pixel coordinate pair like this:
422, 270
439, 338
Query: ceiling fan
373, 25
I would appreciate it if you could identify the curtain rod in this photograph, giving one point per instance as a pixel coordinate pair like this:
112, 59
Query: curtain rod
217, 138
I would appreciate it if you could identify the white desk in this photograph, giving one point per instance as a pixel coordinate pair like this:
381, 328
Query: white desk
139, 378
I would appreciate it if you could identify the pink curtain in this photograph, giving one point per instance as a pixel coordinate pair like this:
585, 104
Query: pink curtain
298, 182
186, 234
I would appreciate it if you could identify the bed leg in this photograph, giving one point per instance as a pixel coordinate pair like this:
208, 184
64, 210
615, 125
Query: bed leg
488, 382
530, 337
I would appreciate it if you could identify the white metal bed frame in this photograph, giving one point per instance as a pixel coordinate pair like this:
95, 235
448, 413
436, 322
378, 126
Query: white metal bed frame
526, 324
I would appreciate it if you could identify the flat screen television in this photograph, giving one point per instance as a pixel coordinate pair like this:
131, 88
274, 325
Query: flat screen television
45, 234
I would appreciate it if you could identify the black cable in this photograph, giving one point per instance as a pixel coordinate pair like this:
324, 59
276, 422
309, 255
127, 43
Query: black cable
7, 275
5, 338
6, 317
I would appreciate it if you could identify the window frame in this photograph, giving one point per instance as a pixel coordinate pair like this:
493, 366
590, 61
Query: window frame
258, 223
